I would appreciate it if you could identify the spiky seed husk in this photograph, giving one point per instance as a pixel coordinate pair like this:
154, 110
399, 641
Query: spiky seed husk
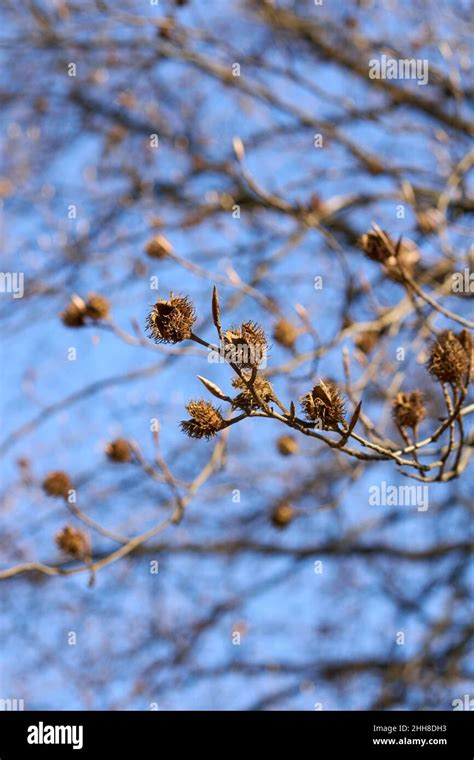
245, 399
379, 246
57, 483
287, 445
97, 307
449, 362
282, 515
206, 420
171, 320
73, 541
119, 450
285, 333
324, 404
245, 346
408, 409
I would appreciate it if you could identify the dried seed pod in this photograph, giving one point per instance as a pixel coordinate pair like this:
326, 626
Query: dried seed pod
57, 483
245, 346
282, 515
74, 541
449, 361
172, 320
287, 445
246, 399
158, 247
324, 404
119, 450
97, 306
377, 245
408, 409
206, 420
74, 313
285, 333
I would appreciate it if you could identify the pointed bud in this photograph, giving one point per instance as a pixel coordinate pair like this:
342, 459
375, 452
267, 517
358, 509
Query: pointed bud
239, 149
214, 389
216, 312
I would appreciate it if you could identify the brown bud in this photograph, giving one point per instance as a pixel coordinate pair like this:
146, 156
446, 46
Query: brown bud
374, 166
408, 409
171, 321
57, 483
282, 515
206, 420
287, 445
119, 450
216, 310
73, 541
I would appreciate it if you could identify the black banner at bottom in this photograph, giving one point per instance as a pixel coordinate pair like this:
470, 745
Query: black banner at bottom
424, 734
